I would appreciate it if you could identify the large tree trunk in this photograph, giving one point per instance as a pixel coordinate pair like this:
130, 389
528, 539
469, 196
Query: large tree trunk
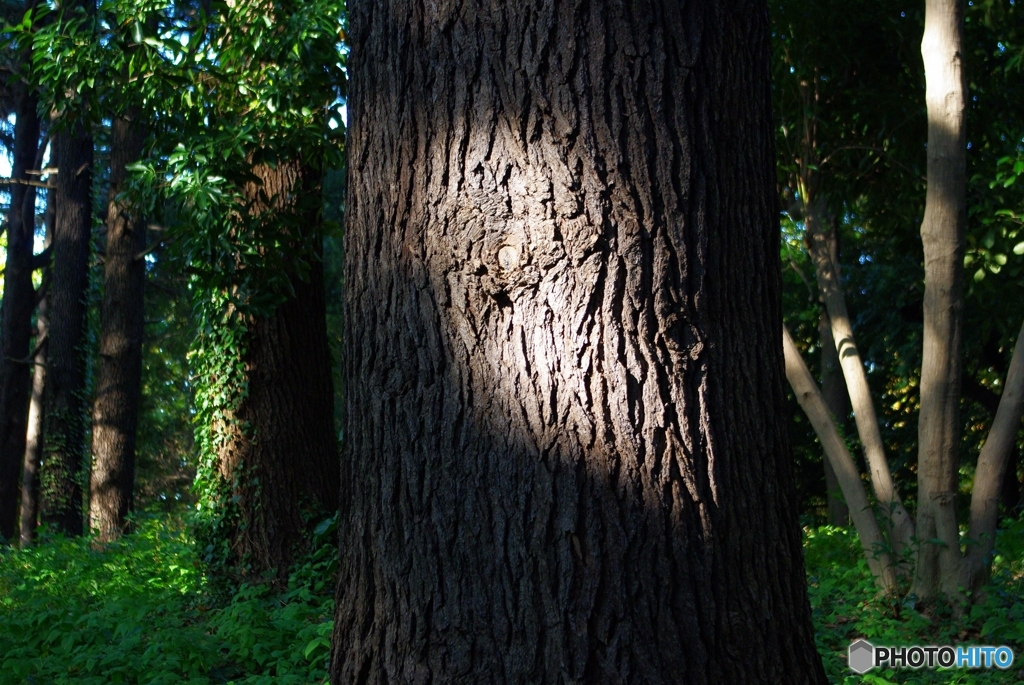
942, 235
119, 373
284, 469
16, 310
63, 471
34, 436
565, 456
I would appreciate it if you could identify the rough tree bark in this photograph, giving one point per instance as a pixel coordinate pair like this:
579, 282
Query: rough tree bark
34, 436
119, 372
847, 474
62, 472
285, 471
942, 235
564, 456
16, 310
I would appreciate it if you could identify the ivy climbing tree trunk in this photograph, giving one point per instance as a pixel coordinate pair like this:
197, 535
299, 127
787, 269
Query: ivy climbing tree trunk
565, 457
119, 372
63, 471
16, 310
282, 457
942, 235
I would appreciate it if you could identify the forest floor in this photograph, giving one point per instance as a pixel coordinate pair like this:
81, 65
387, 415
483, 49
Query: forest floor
846, 606
142, 611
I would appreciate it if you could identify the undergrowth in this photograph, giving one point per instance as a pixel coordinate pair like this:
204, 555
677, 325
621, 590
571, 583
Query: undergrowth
142, 611
846, 606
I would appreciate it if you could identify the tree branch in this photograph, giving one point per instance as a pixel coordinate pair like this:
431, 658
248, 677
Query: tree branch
988, 476
861, 511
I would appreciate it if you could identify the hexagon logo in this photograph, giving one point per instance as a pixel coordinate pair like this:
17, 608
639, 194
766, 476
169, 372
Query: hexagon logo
861, 656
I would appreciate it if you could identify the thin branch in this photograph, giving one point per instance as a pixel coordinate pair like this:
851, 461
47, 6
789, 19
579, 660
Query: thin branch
871, 148
27, 362
149, 250
800, 273
24, 182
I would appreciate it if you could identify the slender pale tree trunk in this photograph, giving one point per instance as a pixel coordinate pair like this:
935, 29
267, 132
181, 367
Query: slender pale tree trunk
942, 235
843, 464
901, 526
837, 399
34, 435
16, 310
988, 476
565, 458
119, 372
822, 249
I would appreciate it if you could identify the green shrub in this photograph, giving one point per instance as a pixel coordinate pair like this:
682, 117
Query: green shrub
845, 605
139, 611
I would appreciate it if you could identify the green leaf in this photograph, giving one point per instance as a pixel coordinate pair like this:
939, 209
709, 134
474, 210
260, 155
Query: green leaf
313, 644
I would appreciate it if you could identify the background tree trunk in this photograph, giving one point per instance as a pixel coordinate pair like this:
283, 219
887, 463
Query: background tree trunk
900, 524
63, 468
565, 457
16, 310
119, 372
34, 436
942, 235
835, 395
284, 471
847, 474
837, 401
1009, 495
992, 464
